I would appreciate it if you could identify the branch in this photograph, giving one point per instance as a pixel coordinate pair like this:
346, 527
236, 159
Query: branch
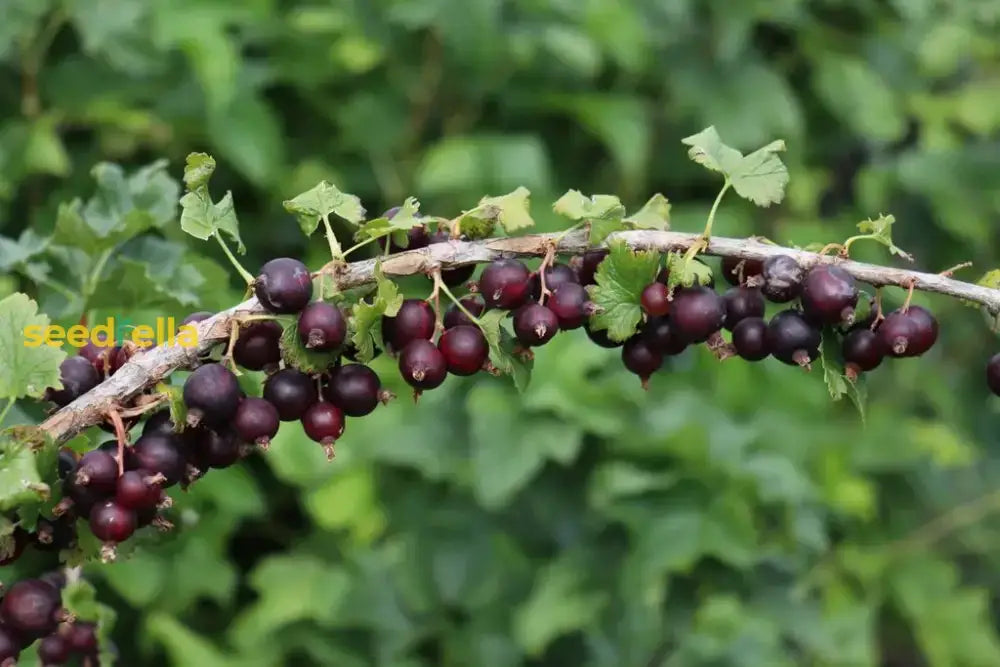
148, 367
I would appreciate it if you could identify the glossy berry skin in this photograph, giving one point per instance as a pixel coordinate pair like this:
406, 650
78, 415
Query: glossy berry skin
30, 608
458, 275
98, 470
257, 346
588, 265
322, 326
217, 448
291, 392
555, 275
10, 645
162, 454
829, 295
83, 497
782, 278
750, 339
600, 337
256, 421
159, 422
655, 299
454, 317
422, 365
862, 350
464, 348
535, 325
110, 522
792, 339
414, 320
284, 285
66, 462
505, 283
53, 650
697, 313
82, 637
211, 394
659, 332
925, 330
641, 357
731, 269
194, 318
78, 376
741, 303
135, 490
993, 374
908, 333
570, 304
323, 422
354, 388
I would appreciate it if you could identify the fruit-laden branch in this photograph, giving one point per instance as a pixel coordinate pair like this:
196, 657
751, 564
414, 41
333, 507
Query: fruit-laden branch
148, 367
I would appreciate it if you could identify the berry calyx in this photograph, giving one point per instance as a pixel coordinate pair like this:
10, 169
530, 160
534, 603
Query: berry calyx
30, 608
322, 326
355, 389
256, 421
655, 299
78, 376
741, 303
454, 316
733, 268
138, 489
993, 374
697, 313
641, 357
505, 283
159, 453
98, 470
464, 348
829, 295
257, 347
211, 394
284, 285
422, 365
750, 339
414, 320
570, 302
324, 423
792, 339
862, 350
291, 392
535, 325
782, 278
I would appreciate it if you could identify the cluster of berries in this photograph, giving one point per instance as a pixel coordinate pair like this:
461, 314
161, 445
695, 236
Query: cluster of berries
31, 610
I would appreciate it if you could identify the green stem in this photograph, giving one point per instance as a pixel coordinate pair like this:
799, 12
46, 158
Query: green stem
715, 207
232, 259
444, 288
331, 239
575, 227
3, 414
59, 287
362, 244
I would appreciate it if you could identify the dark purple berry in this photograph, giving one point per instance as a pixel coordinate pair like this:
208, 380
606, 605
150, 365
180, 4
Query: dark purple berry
829, 295
290, 391
993, 374
78, 376
194, 318
284, 285
588, 265
555, 275
137, 489
10, 646
454, 317
570, 303
217, 448
100, 354
211, 394
750, 338
925, 330
422, 365
862, 350
535, 325
82, 637
792, 339
459, 275
66, 462
415, 320
741, 303
159, 422
782, 278
697, 313
659, 332
110, 522
464, 348
324, 423
159, 453
601, 338
53, 650
256, 421
30, 608
656, 299
505, 283
641, 357
734, 267
354, 388
98, 470
257, 347
908, 333
322, 326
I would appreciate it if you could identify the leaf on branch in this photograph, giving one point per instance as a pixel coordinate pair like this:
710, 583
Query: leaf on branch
405, 219
502, 349
20, 481
621, 277
655, 214
200, 216
512, 211
605, 213
760, 176
322, 200
880, 230
833, 374
26, 370
366, 318
685, 273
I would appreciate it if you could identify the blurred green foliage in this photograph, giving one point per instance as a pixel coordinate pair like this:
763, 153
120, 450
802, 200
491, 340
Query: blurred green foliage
731, 515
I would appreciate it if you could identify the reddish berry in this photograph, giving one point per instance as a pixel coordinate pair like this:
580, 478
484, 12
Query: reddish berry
829, 295
908, 333
792, 339
862, 350
750, 338
464, 349
741, 303
53, 650
555, 275
257, 347
98, 470
782, 278
324, 423
734, 267
10, 646
535, 325
82, 637
110, 522
256, 421
30, 608
290, 391
505, 283
322, 326
641, 357
284, 285
422, 365
137, 490
454, 317
570, 303
656, 299
415, 320
697, 313
925, 330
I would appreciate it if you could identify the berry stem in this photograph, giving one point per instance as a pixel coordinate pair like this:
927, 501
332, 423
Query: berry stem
246, 275
707, 234
335, 251
909, 296
122, 435
550, 254
439, 285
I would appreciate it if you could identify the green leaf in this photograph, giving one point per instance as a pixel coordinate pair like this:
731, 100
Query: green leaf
366, 318
175, 404
406, 218
16, 253
198, 169
25, 370
20, 481
686, 272
319, 202
601, 229
605, 213
708, 150
654, 214
200, 216
760, 176
880, 230
511, 210
833, 374
621, 277
297, 355
503, 347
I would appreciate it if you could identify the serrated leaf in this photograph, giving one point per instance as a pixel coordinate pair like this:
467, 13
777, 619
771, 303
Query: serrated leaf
708, 150
880, 230
654, 214
686, 273
511, 210
760, 176
297, 355
20, 481
198, 169
320, 201
833, 374
24, 370
200, 216
27, 246
366, 318
577, 206
621, 277
405, 219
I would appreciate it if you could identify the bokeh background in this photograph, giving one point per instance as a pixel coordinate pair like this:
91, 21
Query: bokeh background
731, 515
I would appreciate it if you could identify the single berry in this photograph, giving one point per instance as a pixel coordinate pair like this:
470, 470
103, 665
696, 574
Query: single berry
659, 332
829, 295
862, 350
782, 278
194, 318
324, 423
641, 357
53, 650
505, 283
82, 637
111, 522
993, 374
656, 299
555, 275
217, 449
211, 394
355, 389
78, 376
792, 339
66, 462
535, 325
697, 313
414, 320
750, 338
734, 267
137, 489
588, 265
257, 346
30, 608
159, 453
284, 285
741, 303
322, 326
290, 391
256, 421
925, 330
422, 365
10, 647
571, 305
601, 338
464, 348
98, 470
159, 422
459, 275
454, 317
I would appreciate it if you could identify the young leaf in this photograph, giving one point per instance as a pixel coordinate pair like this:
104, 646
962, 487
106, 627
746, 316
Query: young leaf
604, 212
198, 169
880, 230
201, 218
25, 370
297, 355
760, 176
621, 277
14, 253
322, 200
502, 345
655, 214
833, 374
366, 318
510, 210
405, 219
20, 482
686, 273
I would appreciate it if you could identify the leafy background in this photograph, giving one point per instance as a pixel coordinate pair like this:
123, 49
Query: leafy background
732, 515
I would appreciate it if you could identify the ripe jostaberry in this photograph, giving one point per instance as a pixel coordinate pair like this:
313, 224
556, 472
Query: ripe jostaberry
98, 470
734, 267
216, 448
454, 316
750, 339
697, 313
66, 462
10, 647
505, 283
422, 365
322, 326
782, 278
415, 320
324, 423
464, 348
31, 608
535, 325
82, 637
355, 389
908, 332
159, 453
571, 304
159, 422
284, 285
741, 303
655, 299
55, 534
290, 391
78, 376
53, 650
256, 421
659, 332
862, 350
555, 275
137, 489
211, 394
110, 522
257, 347
641, 357
993, 374
793, 339
829, 295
